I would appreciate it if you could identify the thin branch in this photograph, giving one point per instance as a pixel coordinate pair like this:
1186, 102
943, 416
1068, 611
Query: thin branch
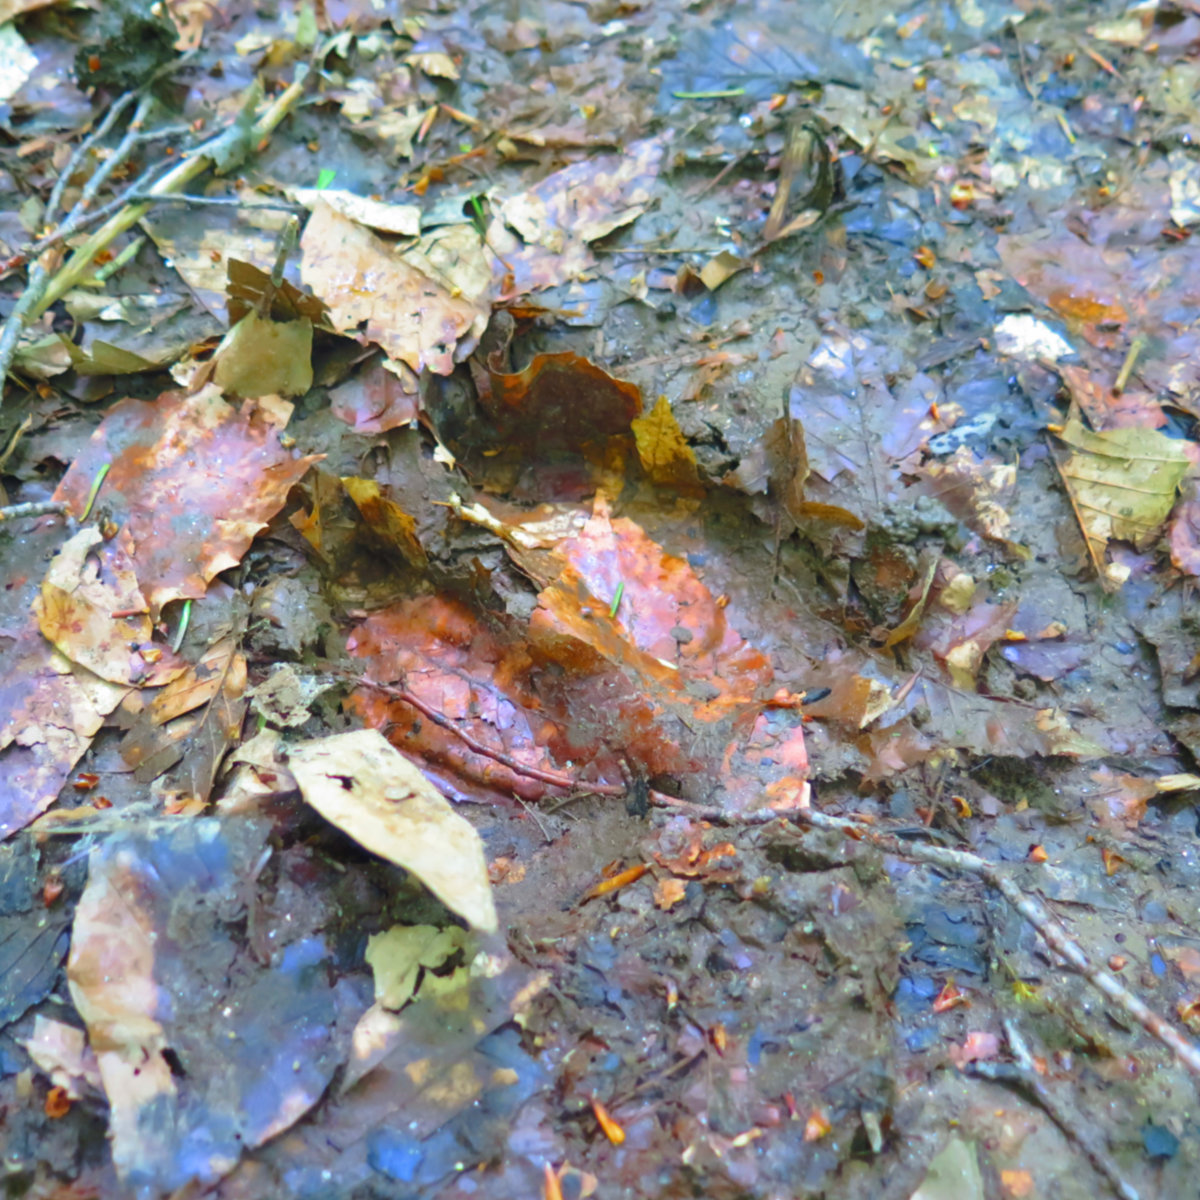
33, 508
84, 148
220, 152
120, 155
1185, 1050
216, 201
1024, 1074
41, 291
472, 743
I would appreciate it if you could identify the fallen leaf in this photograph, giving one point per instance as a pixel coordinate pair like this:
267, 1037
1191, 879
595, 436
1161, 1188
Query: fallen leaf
1122, 484
191, 481
559, 401
569, 209
404, 220
76, 613
721, 267
395, 529
425, 306
369, 790
666, 456
260, 357
195, 718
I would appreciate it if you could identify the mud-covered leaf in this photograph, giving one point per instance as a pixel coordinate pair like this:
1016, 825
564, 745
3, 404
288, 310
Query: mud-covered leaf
158, 980
559, 401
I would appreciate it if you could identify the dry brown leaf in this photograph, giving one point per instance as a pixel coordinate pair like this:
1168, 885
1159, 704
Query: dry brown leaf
417, 304
371, 792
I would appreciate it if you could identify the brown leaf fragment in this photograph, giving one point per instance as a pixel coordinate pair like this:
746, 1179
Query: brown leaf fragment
721, 267
787, 463
560, 216
164, 733
247, 287
386, 519
563, 401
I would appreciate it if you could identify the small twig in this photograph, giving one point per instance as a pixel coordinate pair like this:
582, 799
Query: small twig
715, 181
1131, 356
1186, 1051
1027, 1077
33, 508
38, 282
288, 237
137, 192
126, 255
77, 221
216, 152
551, 777
215, 201
120, 155
81, 152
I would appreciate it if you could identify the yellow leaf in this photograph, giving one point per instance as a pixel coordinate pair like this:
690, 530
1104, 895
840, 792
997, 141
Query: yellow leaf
666, 457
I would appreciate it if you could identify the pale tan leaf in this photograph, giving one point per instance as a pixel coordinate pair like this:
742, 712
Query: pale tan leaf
362, 784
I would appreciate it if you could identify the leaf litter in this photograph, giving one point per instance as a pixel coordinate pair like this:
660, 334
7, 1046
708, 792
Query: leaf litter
535, 687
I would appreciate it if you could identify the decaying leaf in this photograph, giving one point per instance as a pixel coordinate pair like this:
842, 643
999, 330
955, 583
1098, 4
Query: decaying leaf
76, 612
560, 401
191, 480
721, 267
370, 791
559, 217
425, 306
261, 357
1122, 484
197, 715
401, 219
395, 529
158, 980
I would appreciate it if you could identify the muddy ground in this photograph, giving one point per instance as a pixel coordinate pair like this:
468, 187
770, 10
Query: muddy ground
884, 265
